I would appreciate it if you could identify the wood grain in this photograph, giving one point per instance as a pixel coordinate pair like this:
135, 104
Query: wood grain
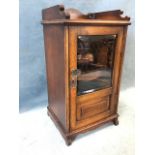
71, 113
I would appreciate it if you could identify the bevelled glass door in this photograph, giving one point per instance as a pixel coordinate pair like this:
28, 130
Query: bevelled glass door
95, 57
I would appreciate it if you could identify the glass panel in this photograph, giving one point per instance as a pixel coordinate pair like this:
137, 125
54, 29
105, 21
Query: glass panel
95, 57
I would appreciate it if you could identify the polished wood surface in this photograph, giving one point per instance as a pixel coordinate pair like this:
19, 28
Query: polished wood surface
91, 105
56, 73
93, 30
58, 14
72, 113
87, 22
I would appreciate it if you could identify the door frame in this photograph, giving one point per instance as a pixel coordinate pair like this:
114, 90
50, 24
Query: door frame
74, 31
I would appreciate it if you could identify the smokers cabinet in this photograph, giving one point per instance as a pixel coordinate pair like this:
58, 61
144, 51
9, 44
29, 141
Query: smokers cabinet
84, 55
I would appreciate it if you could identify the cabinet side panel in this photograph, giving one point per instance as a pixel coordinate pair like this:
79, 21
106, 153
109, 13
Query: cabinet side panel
55, 68
119, 76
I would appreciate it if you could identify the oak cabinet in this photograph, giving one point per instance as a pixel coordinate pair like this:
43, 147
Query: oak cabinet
84, 56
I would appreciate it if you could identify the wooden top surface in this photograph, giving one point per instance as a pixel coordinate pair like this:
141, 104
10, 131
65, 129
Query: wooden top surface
86, 22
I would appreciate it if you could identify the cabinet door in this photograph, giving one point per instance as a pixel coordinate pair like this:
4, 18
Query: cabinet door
95, 56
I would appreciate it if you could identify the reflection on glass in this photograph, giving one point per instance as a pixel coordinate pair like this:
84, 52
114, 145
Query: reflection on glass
95, 56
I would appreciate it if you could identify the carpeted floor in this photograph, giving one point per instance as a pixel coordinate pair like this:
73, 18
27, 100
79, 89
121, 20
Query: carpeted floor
39, 136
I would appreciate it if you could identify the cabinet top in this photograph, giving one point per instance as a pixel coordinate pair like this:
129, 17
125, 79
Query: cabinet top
59, 15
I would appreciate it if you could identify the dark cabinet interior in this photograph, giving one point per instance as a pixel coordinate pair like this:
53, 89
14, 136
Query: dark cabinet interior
95, 55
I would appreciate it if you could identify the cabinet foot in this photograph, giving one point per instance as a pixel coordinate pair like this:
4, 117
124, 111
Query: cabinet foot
115, 121
69, 140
